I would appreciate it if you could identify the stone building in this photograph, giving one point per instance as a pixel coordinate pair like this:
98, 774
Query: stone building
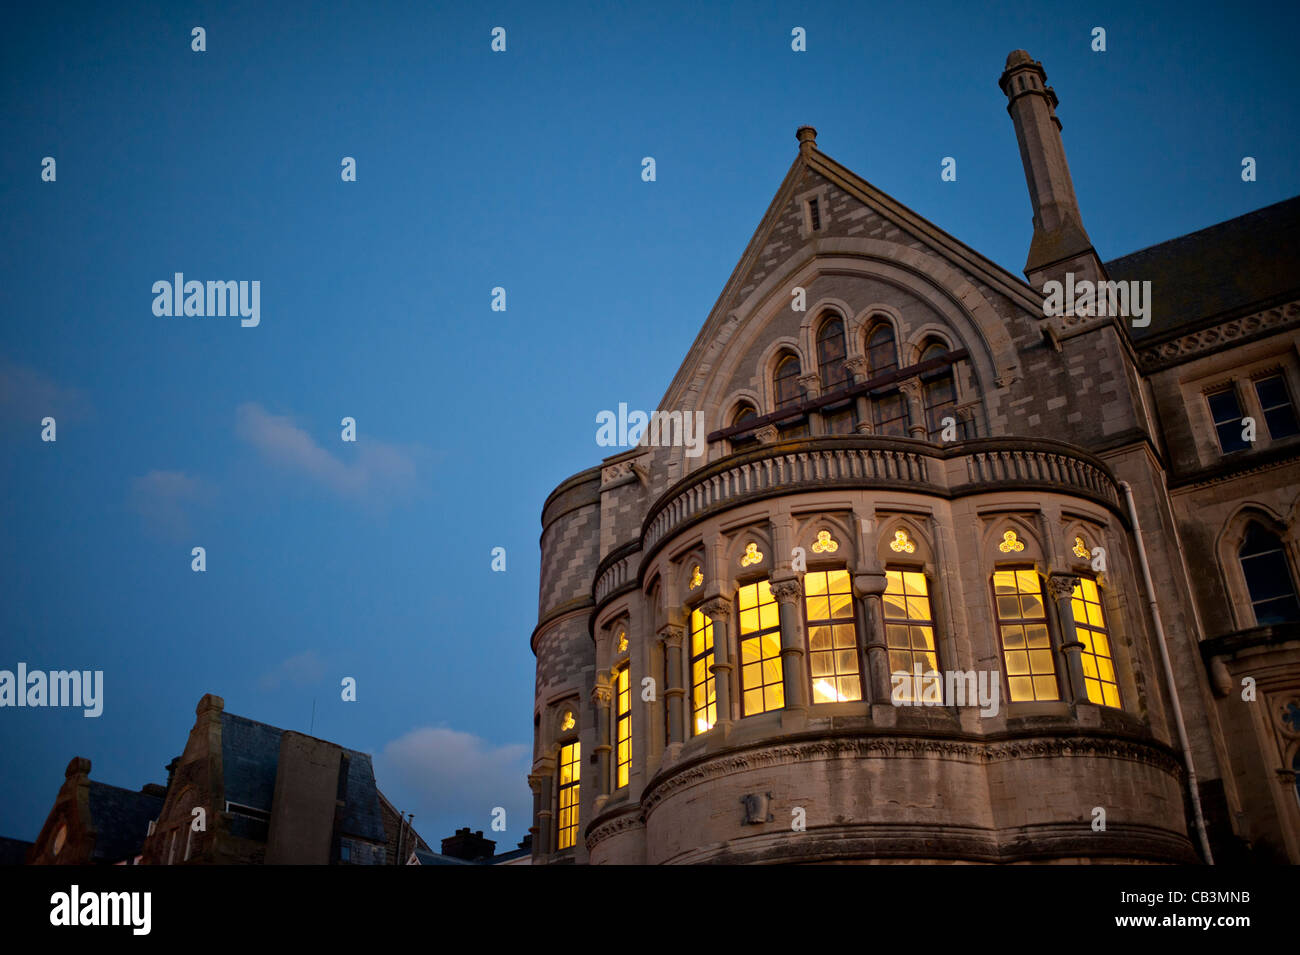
94, 823
1080, 519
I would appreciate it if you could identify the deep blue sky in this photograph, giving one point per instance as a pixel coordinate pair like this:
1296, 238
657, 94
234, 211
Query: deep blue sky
475, 170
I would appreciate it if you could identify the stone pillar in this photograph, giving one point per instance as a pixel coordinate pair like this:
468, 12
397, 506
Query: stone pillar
868, 587
601, 696
856, 366
788, 593
911, 389
671, 635
542, 785
1062, 587
718, 610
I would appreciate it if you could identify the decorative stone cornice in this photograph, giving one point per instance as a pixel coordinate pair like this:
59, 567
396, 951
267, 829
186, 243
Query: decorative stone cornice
705, 768
1234, 331
629, 818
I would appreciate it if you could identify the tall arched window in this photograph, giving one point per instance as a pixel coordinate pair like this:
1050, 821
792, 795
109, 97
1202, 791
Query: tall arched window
566, 821
622, 714
831, 352
832, 637
909, 628
882, 354
1268, 577
788, 391
704, 696
745, 413
1026, 647
939, 392
761, 675
1090, 627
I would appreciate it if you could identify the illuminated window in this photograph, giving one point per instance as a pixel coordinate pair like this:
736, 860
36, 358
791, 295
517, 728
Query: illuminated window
1275, 402
909, 626
1225, 411
760, 650
1026, 646
832, 637
567, 821
1090, 628
704, 705
622, 728
1264, 564
831, 352
788, 390
938, 392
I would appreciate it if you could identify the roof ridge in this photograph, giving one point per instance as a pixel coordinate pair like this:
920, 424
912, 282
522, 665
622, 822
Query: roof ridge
1203, 230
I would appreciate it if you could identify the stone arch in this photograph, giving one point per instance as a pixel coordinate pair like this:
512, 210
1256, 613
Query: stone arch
767, 363
914, 528
1228, 548
736, 547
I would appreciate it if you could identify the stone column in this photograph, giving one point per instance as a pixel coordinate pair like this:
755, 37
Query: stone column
1062, 587
671, 635
911, 389
542, 785
868, 587
718, 610
788, 593
601, 695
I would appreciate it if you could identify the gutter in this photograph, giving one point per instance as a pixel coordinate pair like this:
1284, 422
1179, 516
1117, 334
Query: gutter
1181, 727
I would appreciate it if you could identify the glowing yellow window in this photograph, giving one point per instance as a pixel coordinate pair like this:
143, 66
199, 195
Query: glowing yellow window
761, 678
704, 705
567, 820
1026, 646
909, 626
832, 637
1090, 628
622, 728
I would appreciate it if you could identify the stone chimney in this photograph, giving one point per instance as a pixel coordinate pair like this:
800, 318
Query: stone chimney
1060, 244
470, 846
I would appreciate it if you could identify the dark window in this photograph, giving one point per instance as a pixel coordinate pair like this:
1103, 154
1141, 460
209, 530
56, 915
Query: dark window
345, 853
1275, 402
831, 353
1226, 412
1264, 564
890, 414
882, 356
745, 414
843, 421
788, 391
939, 393
816, 215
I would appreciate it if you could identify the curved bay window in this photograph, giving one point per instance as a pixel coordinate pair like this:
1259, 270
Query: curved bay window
761, 678
704, 696
832, 637
938, 393
1026, 645
1264, 564
909, 627
1090, 628
786, 381
831, 352
567, 820
622, 727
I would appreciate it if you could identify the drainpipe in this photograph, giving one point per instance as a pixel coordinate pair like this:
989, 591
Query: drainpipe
1169, 675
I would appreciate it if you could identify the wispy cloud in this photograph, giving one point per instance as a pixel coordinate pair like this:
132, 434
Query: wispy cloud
304, 669
376, 472
27, 396
165, 498
452, 779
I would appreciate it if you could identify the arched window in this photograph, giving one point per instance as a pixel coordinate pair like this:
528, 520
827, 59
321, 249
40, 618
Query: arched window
1022, 625
832, 637
1090, 628
745, 414
1264, 564
909, 627
704, 696
761, 676
788, 391
567, 820
939, 392
882, 355
831, 352
622, 727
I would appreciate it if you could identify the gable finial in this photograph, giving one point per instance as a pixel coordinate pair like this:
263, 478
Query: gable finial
807, 137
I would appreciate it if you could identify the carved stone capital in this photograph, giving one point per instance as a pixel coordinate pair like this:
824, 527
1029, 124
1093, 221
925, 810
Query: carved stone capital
787, 590
811, 384
869, 585
856, 366
717, 609
767, 434
601, 695
1062, 585
671, 634
911, 389
537, 782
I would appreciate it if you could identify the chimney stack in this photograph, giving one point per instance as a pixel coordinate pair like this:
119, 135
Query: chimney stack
1060, 244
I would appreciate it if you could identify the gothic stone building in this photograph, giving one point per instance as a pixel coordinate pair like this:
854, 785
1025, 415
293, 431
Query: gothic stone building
921, 471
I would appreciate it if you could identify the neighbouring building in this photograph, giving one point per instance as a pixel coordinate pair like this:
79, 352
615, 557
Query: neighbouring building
93, 823
919, 463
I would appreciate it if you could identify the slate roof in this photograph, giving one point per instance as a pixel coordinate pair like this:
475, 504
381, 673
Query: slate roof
250, 756
424, 857
13, 851
121, 819
1233, 268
